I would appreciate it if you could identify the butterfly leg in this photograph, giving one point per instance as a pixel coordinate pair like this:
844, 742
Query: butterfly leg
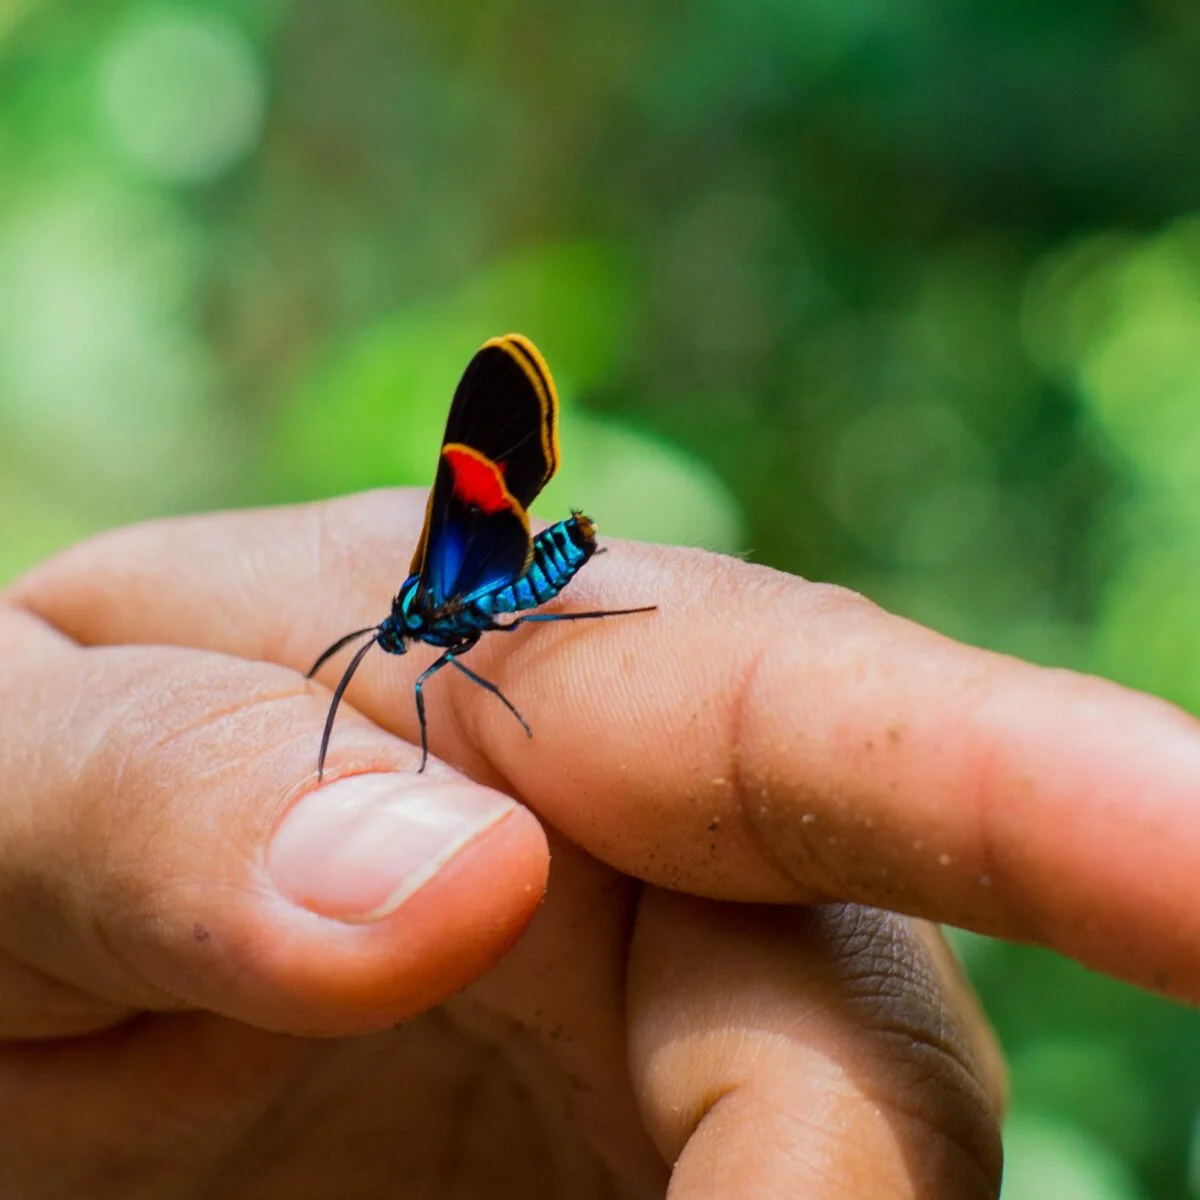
419, 693
583, 616
489, 686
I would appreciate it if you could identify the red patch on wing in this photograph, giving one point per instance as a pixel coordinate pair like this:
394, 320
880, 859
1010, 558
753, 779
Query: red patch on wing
478, 481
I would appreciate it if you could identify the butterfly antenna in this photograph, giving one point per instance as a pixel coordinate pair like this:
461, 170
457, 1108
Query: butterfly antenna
342, 641
340, 690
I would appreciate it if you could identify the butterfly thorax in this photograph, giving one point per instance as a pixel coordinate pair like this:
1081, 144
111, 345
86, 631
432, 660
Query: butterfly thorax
415, 617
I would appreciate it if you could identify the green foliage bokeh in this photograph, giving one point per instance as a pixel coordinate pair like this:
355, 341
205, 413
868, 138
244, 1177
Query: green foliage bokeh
902, 296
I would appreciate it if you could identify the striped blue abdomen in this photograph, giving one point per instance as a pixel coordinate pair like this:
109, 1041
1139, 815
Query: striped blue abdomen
558, 553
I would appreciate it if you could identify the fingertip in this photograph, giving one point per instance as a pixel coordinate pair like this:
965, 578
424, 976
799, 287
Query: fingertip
395, 892
359, 847
374, 898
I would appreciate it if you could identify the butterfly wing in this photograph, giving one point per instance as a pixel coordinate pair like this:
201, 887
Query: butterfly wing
476, 534
506, 408
499, 450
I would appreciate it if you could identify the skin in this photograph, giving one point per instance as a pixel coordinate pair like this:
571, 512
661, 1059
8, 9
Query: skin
219, 978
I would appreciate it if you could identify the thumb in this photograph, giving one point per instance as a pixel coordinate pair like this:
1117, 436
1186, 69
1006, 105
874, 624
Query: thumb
164, 844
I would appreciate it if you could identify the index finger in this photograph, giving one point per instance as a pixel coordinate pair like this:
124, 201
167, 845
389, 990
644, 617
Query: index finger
757, 738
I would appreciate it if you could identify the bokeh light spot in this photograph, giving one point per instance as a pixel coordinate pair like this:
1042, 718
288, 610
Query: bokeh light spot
1067, 303
1141, 375
99, 367
183, 94
1046, 1158
908, 478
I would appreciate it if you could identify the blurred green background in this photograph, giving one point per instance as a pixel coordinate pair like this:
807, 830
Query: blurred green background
902, 296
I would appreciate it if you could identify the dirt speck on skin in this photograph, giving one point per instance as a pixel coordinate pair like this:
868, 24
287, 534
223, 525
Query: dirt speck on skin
199, 932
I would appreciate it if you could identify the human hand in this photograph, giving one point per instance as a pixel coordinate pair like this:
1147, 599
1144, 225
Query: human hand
181, 901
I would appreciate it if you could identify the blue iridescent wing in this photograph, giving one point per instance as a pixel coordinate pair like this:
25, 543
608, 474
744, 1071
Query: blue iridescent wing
499, 450
476, 534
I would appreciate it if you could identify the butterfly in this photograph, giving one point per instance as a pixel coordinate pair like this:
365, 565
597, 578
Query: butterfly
476, 559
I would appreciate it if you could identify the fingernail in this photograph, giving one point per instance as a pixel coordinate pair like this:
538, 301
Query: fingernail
357, 849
